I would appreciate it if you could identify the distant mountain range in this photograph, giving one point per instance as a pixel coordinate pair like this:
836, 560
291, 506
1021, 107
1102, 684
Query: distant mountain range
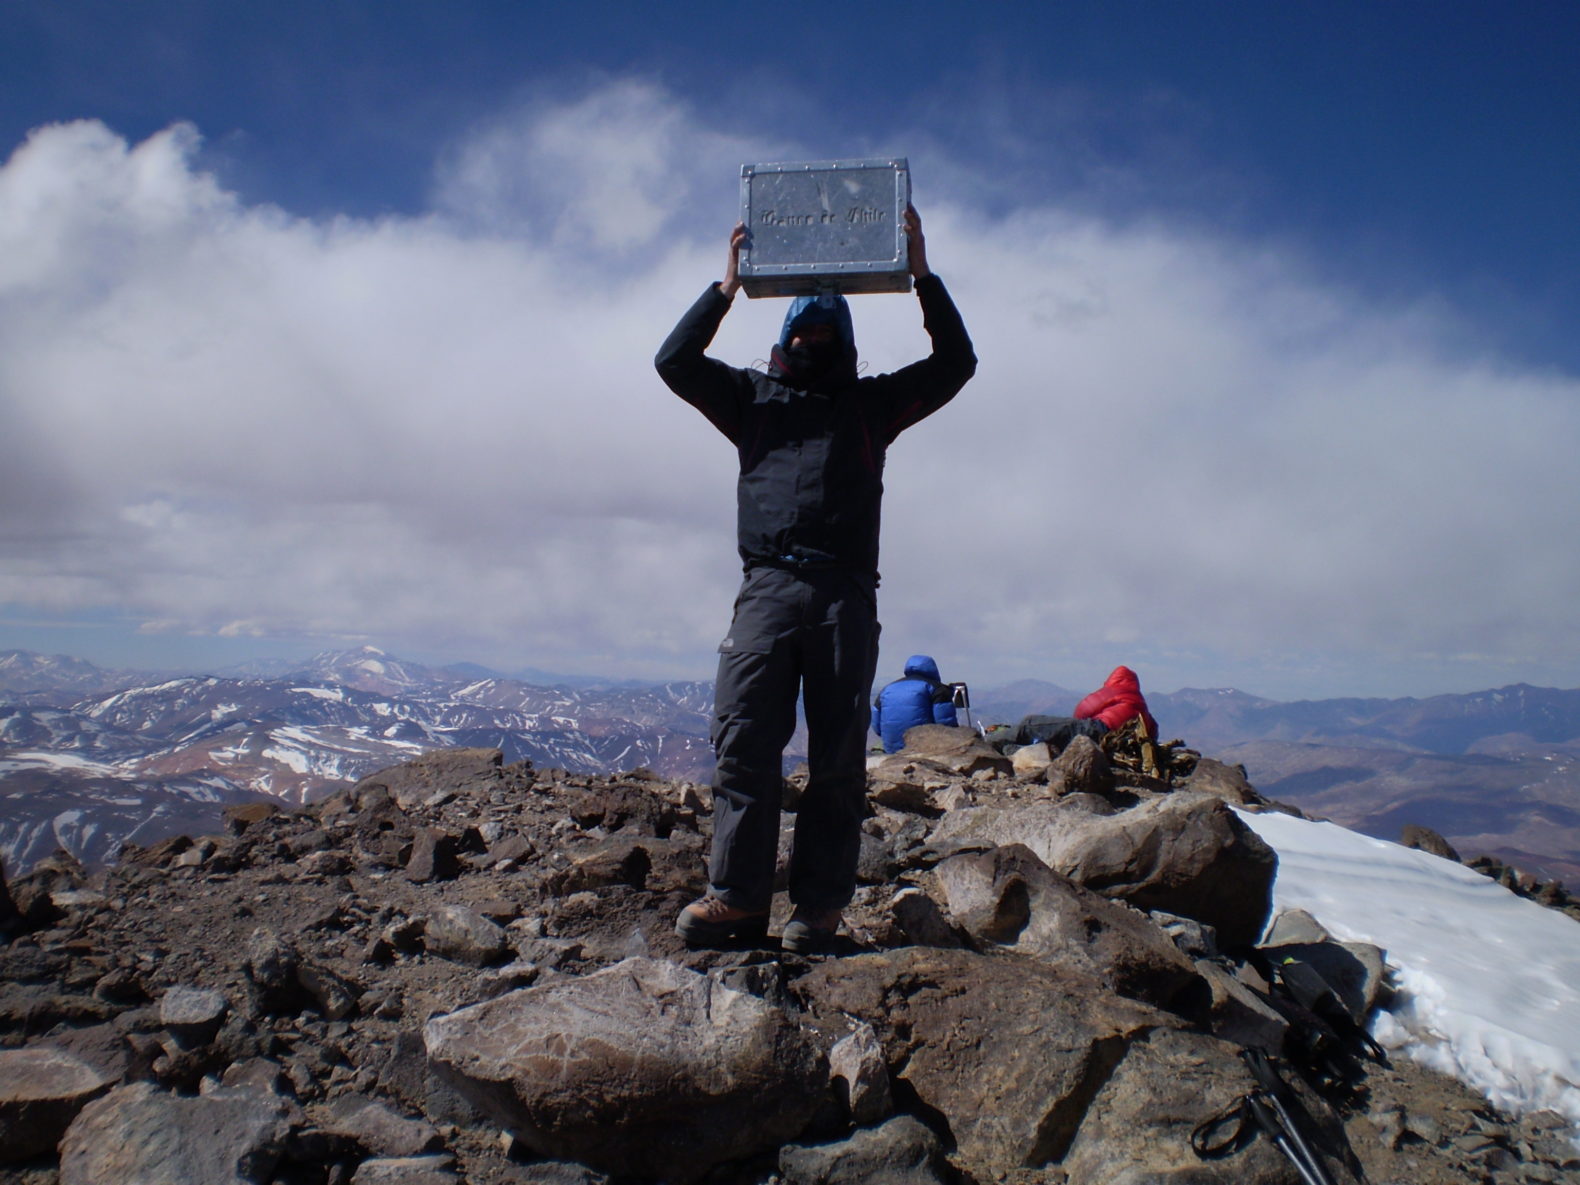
90, 758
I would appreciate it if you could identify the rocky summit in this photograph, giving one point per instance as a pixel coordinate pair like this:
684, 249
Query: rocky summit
465, 970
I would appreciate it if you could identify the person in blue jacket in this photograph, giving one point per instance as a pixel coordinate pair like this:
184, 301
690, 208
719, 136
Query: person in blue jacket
921, 697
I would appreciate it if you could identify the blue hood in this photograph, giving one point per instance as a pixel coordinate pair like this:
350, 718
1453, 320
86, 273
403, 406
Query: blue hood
921, 666
828, 309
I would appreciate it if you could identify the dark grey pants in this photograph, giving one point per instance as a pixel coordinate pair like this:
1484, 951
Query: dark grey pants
816, 634
1058, 731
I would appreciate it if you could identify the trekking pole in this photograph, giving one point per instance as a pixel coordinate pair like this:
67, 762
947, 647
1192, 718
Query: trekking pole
1256, 1107
1269, 1108
1273, 1123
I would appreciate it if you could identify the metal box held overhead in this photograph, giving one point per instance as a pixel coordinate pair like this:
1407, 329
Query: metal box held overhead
830, 224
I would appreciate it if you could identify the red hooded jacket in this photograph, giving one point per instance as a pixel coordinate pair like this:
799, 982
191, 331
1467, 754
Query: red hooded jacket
1118, 700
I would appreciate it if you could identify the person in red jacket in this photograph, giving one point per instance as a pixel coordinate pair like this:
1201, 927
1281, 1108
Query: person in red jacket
1117, 702
1113, 705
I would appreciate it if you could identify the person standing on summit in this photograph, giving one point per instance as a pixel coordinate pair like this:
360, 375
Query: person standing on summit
811, 439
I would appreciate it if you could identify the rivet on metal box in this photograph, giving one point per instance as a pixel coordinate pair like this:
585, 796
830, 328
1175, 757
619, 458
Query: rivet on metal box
829, 225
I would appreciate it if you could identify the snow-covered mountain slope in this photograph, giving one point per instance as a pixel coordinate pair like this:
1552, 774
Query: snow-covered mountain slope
69, 772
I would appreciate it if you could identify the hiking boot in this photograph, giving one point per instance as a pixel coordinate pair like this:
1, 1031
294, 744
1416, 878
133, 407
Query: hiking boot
811, 931
710, 922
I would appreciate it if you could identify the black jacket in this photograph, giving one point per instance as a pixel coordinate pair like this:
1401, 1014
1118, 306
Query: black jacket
811, 459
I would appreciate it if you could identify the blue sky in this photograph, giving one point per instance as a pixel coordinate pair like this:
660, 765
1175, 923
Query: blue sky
327, 323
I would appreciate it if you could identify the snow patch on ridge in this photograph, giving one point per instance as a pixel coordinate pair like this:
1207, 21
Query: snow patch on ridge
333, 694
42, 759
1489, 983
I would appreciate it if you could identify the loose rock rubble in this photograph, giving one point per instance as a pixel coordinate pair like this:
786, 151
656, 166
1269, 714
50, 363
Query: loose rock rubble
459, 970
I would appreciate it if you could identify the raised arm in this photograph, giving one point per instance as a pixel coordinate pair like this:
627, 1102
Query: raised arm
918, 390
731, 282
709, 385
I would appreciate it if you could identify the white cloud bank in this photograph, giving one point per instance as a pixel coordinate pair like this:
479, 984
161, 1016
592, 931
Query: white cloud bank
444, 433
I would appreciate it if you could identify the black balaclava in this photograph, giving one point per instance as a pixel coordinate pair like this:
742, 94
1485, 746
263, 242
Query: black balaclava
820, 364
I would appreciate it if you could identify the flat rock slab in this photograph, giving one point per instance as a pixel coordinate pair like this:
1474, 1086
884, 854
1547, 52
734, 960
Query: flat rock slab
644, 1068
1007, 1051
141, 1134
41, 1091
959, 750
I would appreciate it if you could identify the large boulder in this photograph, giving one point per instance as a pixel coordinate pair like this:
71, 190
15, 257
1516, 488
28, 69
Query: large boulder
1006, 1051
1182, 853
42, 1089
435, 856
139, 1133
643, 1068
1008, 898
1043, 825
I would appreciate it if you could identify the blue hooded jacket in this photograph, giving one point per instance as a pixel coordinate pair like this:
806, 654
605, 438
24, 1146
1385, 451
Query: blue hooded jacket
921, 697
